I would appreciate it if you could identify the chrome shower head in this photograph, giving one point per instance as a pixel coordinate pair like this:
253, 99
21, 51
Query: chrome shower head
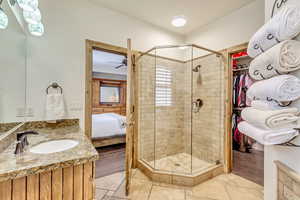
197, 68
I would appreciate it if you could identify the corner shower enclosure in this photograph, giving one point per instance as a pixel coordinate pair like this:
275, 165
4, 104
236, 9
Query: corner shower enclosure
180, 105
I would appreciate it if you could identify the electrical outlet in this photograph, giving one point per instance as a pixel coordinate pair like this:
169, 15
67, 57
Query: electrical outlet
20, 112
30, 112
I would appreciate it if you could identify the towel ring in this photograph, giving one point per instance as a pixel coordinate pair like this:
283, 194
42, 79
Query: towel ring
55, 86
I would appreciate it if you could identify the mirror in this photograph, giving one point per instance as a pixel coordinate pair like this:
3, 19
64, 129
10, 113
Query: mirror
12, 71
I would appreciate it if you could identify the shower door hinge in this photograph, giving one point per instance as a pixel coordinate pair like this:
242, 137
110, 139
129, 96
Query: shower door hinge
132, 109
133, 63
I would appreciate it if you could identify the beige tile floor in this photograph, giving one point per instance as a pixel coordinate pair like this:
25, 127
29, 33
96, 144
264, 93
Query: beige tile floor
223, 187
180, 163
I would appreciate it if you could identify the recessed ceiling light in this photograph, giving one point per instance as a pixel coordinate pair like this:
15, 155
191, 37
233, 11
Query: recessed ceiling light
179, 21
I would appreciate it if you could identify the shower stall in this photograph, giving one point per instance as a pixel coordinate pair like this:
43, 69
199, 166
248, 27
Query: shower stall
180, 112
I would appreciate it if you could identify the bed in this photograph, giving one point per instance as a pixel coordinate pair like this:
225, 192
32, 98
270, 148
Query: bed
108, 129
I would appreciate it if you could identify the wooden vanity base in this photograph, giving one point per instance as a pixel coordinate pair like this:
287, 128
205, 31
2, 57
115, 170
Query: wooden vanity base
71, 183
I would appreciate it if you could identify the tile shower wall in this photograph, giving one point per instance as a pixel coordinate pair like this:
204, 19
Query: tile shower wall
168, 121
207, 124
146, 113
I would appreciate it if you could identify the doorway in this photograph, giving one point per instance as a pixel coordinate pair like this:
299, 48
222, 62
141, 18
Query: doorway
108, 121
246, 156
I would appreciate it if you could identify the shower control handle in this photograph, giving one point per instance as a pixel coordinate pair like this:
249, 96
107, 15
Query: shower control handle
197, 105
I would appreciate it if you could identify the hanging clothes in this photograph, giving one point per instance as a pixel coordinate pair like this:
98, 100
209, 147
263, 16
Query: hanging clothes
241, 83
236, 137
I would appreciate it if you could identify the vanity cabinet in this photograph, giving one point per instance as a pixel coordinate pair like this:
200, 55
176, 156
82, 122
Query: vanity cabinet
70, 183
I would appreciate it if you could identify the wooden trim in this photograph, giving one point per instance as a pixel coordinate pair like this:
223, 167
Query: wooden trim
45, 185
102, 142
6, 190
90, 45
68, 175
96, 95
33, 184
228, 107
57, 189
78, 182
88, 191
71, 183
19, 189
109, 80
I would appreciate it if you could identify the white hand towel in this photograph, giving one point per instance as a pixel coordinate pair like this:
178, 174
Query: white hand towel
281, 88
280, 59
272, 119
267, 137
55, 107
266, 105
284, 25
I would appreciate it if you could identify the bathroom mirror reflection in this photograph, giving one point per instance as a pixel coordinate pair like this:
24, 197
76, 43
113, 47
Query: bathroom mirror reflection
12, 71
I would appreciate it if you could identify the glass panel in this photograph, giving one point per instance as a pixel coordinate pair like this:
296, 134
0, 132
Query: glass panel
12, 72
207, 125
180, 115
172, 119
109, 94
146, 67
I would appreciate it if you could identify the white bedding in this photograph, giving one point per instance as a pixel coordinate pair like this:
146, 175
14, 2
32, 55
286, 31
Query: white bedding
107, 125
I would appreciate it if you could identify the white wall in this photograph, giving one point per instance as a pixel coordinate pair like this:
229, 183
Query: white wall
60, 54
233, 29
287, 155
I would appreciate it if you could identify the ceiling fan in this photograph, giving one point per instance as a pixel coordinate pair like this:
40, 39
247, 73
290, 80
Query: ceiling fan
122, 64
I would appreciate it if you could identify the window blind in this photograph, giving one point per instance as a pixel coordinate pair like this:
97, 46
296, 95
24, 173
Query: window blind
163, 91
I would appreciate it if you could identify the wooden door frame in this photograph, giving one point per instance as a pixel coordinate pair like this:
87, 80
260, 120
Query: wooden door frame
229, 105
90, 46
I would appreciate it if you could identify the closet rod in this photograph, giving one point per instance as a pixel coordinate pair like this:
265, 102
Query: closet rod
241, 69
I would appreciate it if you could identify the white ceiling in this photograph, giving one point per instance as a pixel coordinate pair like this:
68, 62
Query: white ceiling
106, 62
161, 12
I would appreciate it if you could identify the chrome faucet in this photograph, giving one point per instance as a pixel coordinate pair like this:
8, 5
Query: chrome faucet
22, 141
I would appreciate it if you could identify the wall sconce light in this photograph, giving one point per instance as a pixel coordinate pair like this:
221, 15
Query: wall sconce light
36, 29
32, 15
3, 18
28, 5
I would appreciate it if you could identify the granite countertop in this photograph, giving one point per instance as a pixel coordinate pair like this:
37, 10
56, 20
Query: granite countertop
15, 166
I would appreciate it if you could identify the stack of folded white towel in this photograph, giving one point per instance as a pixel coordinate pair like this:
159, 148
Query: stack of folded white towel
268, 123
275, 55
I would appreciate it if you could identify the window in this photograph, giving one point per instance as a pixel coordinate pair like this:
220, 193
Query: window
163, 93
109, 94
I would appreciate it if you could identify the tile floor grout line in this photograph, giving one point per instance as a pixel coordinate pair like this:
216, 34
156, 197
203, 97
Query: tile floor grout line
103, 195
104, 188
113, 195
229, 196
150, 191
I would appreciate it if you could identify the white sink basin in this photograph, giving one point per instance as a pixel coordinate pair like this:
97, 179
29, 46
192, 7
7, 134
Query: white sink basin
54, 146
